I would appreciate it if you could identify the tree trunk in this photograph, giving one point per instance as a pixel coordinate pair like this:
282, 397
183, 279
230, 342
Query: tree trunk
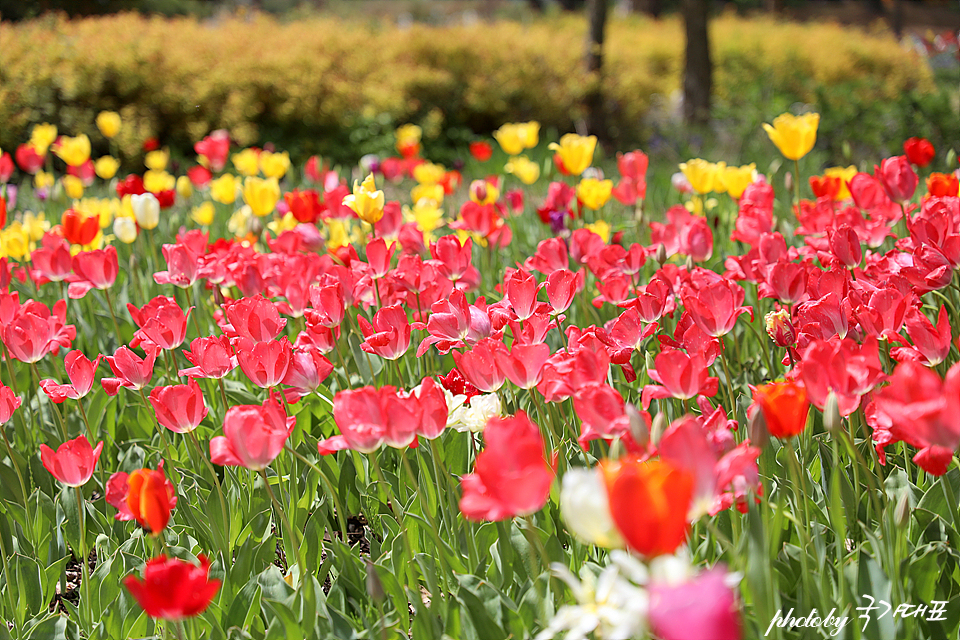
593, 101
698, 69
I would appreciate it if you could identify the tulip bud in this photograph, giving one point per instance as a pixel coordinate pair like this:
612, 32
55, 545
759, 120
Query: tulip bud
660, 255
780, 329
658, 427
757, 429
788, 180
832, 421
901, 515
638, 429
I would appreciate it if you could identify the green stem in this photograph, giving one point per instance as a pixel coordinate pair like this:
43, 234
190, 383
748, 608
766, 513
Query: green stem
85, 584
116, 325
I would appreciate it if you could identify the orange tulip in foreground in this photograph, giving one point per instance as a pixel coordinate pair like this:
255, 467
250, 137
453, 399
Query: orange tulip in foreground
784, 406
649, 501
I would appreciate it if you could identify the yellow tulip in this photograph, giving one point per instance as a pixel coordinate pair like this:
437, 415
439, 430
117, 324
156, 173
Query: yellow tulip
42, 136
594, 193
203, 214
247, 162
43, 180
428, 173
262, 195
74, 151
427, 215
701, 175
427, 192
526, 170
408, 134
274, 165
184, 187
73, 186
794, 135
106, 167
575, 152
35, 225
846, 175
157, 159
601, 228
366, 201
337, 235
156, 181
240, 221
14, 241
109, 123
286, 223
737, 179
514, 138
224, 189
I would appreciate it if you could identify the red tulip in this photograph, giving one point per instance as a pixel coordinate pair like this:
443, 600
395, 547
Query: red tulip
79, 229
523, 364
132, 185
931, 342
825, 186
199, 176
308, 368
34, 331
253, 435
389, 335
265, 363
213, 150
73, 462
883, 314
162, 323
922, 410
481, 150
28, 159
602, 413
683, 376
562, 288
842, 366
254, 317
521, 292
212, 357
131, 370
898, 178
919, 151
784, 406
52, 262
81, 373
179, 407
93, 270
453, 259
716, 307
512, 475
369, 417
183, 266
9, 403
479, 365
665, 493
172, 589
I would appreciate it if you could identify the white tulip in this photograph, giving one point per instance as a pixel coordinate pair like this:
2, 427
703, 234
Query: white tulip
146, 208
586, 509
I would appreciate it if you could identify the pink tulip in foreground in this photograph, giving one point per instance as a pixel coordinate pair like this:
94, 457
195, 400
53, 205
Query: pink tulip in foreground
73, 462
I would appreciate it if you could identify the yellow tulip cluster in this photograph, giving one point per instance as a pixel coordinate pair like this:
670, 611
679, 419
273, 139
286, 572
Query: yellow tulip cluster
716, 177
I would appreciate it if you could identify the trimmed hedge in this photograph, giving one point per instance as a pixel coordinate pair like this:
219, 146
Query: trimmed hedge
339, 88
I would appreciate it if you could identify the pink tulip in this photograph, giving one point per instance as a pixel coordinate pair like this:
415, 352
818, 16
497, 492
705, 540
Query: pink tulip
212, 357
682, 376
179, 407
253, 435
131, 370
255, 318
265, 363
704, 603
389, 335
81, 373
73, 462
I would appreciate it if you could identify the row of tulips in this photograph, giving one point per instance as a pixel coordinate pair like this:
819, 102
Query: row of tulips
585, 423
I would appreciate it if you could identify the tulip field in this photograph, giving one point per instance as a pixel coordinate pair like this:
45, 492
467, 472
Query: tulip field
247, 397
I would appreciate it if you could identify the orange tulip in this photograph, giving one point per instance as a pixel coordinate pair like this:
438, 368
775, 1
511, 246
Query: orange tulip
649, 502
150, 499
784, 406
943, 184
